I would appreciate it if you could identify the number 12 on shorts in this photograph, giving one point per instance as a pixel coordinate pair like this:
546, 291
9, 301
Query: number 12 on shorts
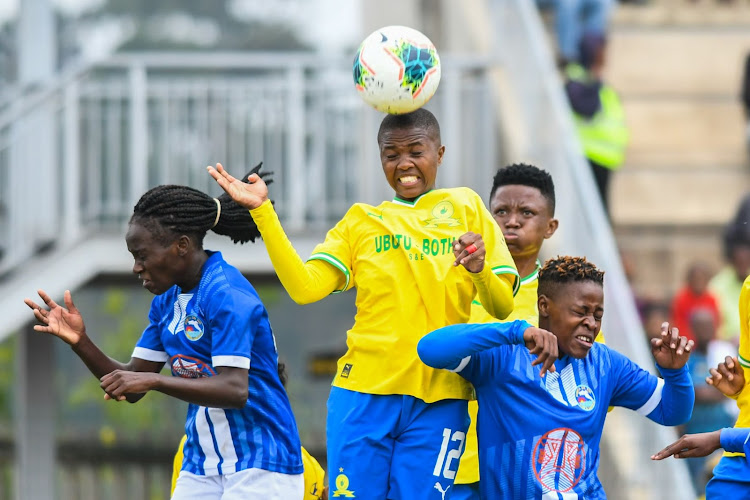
445, 458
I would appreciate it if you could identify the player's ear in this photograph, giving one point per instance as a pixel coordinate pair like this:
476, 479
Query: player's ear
183, 244
552, 225
441, 152
542, 304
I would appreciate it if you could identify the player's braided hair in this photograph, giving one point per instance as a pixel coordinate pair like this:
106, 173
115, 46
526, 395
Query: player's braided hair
421, 119
564, 270
524, 174
170, 210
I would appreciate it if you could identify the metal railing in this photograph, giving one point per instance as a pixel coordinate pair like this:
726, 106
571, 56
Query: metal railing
75, 157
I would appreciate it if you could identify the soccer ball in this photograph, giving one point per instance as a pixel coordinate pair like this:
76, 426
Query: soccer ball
396, 70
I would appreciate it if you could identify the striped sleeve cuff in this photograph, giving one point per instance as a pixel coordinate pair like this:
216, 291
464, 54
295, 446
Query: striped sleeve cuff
744, 362
498, 270
326, 257
233, 361
653, 401
150, 355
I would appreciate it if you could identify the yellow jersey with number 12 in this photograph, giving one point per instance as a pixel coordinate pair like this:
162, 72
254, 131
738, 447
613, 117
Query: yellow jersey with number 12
399, 256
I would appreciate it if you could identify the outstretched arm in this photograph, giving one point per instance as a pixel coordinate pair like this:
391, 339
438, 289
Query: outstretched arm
734, 440
305, 282
451, 347
67, 324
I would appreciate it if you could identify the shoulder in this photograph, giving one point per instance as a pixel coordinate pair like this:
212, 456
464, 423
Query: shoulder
221, 282
464, 194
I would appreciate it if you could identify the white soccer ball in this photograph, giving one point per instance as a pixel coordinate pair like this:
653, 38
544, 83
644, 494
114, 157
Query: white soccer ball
396, 70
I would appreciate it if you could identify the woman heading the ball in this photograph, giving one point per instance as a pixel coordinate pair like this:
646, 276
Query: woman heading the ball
395, 426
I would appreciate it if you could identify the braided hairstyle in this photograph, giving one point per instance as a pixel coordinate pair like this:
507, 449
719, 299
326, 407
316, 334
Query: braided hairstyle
170, 210
564, 270
523, 174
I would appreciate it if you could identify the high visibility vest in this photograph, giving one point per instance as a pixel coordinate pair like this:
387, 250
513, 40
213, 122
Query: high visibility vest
604, 136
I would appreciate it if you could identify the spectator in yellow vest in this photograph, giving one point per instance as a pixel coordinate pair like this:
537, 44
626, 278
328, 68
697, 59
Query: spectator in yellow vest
597, 112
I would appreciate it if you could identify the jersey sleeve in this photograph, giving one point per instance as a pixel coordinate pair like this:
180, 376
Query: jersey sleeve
743, 400
735, 440
469, 349
666, 401
235, 319
336, 249
634, 387
149, 347
498, 256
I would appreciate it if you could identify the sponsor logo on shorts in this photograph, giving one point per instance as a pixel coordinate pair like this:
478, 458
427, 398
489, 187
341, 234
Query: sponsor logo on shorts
559, 460
342, 485
442, 491
345, 371
193, 327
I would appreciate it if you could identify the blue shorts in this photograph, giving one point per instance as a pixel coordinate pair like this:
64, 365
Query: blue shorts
393, 447
465, 491
731, 480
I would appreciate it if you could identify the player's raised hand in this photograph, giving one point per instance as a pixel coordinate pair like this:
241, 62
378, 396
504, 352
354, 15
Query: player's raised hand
250, 194
470, 252
728, 377
671, 350
544, 345
57, 320
691, 445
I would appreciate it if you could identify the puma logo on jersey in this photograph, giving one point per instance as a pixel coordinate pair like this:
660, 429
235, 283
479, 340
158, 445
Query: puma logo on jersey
442, 491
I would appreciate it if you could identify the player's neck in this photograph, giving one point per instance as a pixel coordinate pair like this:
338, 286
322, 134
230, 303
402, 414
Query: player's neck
525, 265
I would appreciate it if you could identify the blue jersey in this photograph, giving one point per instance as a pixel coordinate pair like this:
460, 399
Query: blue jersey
222, 322
539, 437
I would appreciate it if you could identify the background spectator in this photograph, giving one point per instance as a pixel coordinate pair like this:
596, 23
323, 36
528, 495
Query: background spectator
597, 111
573, 18
727, 283
745, 95
710, 412
692, 296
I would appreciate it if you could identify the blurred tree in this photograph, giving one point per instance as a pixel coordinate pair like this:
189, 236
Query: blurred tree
191, 25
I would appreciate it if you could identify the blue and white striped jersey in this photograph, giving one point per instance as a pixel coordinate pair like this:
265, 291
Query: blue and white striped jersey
539, 437
222, 322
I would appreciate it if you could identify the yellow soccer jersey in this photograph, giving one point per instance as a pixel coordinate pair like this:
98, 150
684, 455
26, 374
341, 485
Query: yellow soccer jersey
743, 400
314, 477
313, 474
399, 256
525, 308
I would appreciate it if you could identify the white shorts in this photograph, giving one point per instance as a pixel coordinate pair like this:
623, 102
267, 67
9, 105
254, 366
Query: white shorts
249, 484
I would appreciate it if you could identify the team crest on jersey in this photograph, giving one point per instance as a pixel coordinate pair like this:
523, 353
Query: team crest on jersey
442, 214
585, 397
559, 460
193, 327
190, 367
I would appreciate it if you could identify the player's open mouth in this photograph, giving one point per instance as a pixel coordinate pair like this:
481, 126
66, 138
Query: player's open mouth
408, 180
584, 339
146, 283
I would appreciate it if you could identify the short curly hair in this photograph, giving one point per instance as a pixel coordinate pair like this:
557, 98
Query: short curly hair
524, 174
564, 270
